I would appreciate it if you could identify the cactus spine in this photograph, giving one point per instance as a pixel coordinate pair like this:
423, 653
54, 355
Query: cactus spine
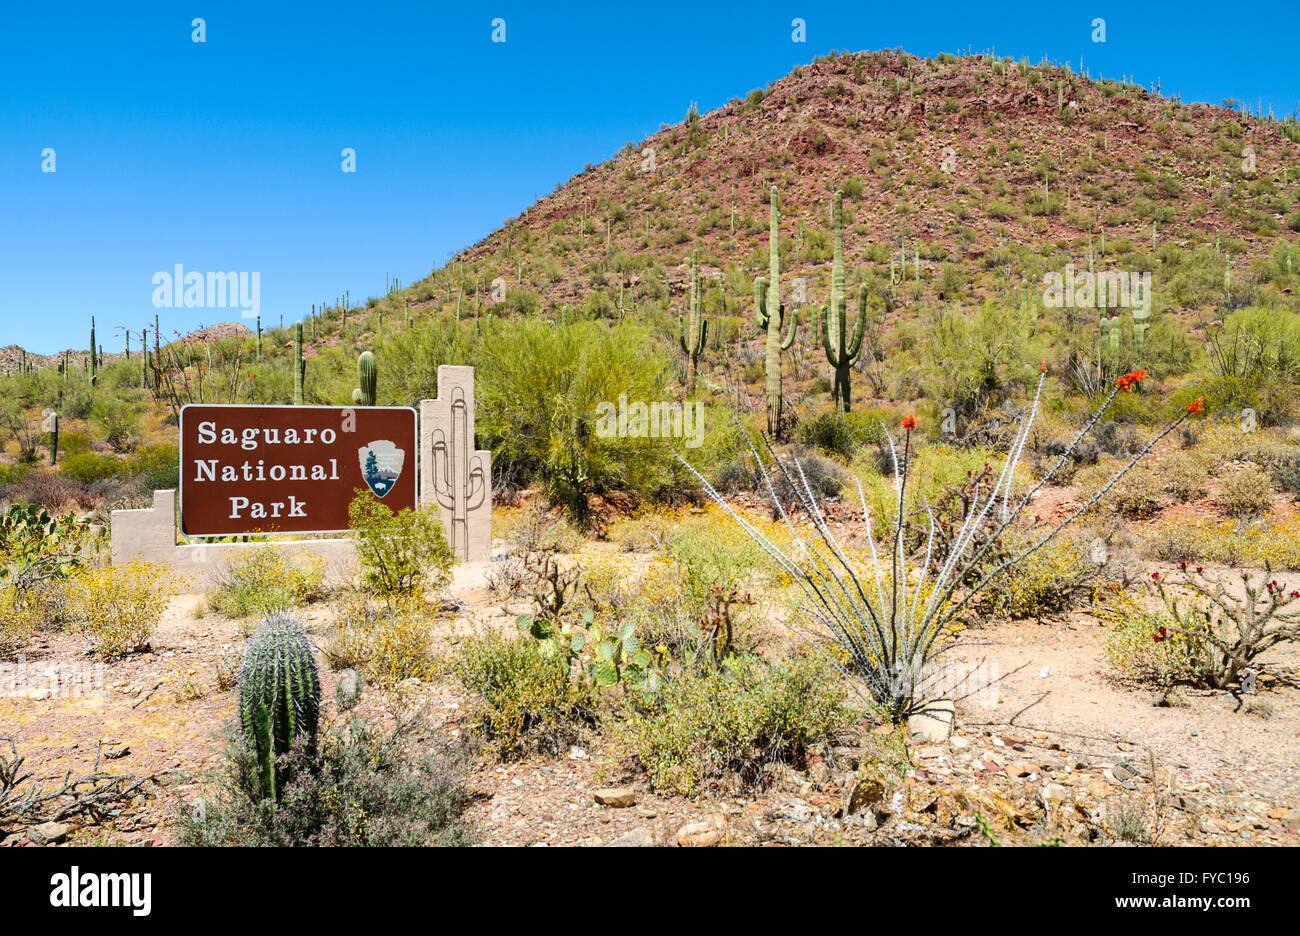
279, 696
691, 334
299, 366
771, 316
842, 352
367, 378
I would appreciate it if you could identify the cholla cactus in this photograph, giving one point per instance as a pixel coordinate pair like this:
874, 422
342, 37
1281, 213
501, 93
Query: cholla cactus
279, 695
893, 615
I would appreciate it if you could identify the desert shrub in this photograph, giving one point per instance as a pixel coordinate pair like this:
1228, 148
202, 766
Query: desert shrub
49, 489
642, 532
1183, 476
1049, 581
522, 699
365, 786
734, 723
823, 476
156, 467
831, 434
266, 581
117, 608
399, 553
88, 467
1286, 473
1246, 492
1133, 651
709, 552
118, 419
1136, 496
389, 642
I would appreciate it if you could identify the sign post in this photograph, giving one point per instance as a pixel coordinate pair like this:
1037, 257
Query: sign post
291, 469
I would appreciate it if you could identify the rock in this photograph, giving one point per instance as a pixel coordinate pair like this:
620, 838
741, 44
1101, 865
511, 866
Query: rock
1045, 672
1122, 772
1052, 793
117, 753
577, 753
1174, 697
699, 834
1282, 814
1189, 804
958, 743
347, 691
1261, 708
48, 833
1022, 769
867, 791
934, 724
617, 797
638, 838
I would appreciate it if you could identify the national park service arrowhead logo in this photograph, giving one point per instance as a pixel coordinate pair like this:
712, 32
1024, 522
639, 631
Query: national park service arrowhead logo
381, 465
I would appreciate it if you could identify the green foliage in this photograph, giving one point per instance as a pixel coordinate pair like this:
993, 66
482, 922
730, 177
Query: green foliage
279, 698
89, 467
267, 580
540, 409
734, 723
1050, 581
400, 553
522, 697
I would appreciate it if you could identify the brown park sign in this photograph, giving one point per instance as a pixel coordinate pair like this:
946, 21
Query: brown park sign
291, 469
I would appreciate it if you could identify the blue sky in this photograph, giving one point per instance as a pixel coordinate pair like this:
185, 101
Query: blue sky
226, 155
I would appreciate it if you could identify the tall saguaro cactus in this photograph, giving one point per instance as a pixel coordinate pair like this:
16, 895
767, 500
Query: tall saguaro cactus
692, 334
367, 378
842, 351
94, 370
299, 366
771, 317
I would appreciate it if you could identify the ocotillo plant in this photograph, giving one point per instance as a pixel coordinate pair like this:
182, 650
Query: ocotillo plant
279, 696
691, 334
299, 366
771, 317
842, 352
367, 379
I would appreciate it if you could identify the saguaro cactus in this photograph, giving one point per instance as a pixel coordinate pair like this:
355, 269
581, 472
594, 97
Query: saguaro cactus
279, 696
842, 352
692, 334
367, 378
52, 426
771, 317
94, 369
299, 366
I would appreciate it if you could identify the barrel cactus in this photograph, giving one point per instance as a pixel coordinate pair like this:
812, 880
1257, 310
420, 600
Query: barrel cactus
367, 378
279, 696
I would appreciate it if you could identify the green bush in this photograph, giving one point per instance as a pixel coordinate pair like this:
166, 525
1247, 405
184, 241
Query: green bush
267, 581
734, 723
1050, 581
88, 467
156, 467
540, 411
522, 699
399, 553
